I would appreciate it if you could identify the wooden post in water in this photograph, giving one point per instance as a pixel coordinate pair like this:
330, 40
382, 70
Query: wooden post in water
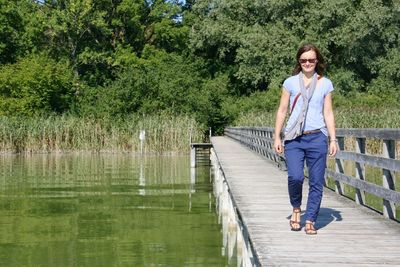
142, 180
142, 137
192, 151
192, 156
389, 209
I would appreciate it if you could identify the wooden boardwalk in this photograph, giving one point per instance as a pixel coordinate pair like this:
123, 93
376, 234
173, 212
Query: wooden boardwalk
348, 235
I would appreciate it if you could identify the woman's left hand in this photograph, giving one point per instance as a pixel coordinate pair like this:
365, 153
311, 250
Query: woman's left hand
333, 148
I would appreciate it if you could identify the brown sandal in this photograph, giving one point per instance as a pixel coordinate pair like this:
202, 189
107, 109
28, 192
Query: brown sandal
309, 228
295, 224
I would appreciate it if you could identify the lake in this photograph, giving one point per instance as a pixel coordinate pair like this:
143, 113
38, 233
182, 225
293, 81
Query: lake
107, 210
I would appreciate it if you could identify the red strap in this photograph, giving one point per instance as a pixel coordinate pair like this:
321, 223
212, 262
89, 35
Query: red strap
297, 96
295, 101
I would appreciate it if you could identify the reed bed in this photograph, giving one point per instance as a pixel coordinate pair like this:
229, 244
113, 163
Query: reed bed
345, 118
164, 133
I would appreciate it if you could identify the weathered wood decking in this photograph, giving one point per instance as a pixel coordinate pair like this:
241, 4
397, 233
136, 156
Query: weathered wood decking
348, 235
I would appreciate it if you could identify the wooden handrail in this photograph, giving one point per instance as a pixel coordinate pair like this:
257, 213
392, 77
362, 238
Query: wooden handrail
260, 139
378, 133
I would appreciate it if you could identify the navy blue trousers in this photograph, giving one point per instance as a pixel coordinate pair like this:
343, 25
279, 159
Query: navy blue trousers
311, 149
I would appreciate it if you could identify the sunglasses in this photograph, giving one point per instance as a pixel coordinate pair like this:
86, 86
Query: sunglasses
304, 61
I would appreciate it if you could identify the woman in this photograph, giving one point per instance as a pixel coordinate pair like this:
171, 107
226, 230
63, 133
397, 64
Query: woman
311, 121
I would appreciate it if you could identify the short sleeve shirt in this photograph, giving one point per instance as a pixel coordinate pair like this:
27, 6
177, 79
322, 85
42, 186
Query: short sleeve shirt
314, 117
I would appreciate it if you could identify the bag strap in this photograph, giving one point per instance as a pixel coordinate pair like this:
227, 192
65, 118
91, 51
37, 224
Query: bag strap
297, 97
295, 101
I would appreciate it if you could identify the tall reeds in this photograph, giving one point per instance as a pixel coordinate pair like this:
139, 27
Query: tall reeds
345, 118
164, 133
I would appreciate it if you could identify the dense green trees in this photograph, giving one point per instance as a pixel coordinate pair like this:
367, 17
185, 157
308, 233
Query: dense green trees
35, 85
211, 59
360, 39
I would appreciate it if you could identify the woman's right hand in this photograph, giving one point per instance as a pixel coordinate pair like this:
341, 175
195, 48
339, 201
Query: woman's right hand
278, 145
280, 119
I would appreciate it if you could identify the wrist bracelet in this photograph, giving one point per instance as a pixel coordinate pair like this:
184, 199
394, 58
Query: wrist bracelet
334, 140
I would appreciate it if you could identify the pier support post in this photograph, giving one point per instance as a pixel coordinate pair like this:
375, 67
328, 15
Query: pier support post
192, 156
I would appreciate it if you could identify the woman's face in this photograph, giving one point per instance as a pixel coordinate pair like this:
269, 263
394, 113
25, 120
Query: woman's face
308, 61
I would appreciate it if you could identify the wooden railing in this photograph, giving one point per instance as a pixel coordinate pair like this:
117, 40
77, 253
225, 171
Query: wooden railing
260, 139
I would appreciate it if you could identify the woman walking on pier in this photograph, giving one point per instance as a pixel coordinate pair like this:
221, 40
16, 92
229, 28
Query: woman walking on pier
306, 133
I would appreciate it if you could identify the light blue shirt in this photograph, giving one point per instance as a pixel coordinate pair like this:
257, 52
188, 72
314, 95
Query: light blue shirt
315, 117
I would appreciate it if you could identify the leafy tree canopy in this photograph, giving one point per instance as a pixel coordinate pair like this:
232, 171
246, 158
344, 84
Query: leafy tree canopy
213, 59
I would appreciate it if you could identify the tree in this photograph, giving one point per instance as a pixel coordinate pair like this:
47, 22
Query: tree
73, 24
35, 85
12, 30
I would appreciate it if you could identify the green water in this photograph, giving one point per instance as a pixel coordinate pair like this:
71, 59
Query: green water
107, 210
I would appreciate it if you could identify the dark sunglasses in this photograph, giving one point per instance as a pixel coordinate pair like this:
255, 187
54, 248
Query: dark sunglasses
311, 60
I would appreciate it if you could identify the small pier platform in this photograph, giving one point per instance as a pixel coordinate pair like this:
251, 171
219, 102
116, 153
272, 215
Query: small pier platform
200, 154
348, 234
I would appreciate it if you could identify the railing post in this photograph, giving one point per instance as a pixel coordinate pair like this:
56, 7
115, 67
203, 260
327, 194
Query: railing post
339, 189
389, 209
257, 141
262, 143
360, 170
270, 146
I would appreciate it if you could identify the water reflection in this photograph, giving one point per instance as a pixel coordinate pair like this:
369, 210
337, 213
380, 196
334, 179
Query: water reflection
107, 210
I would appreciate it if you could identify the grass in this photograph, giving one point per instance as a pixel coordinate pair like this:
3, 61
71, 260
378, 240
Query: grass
164, 133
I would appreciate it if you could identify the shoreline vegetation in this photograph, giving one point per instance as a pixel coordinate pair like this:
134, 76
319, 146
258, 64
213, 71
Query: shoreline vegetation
345, 117
60, 134
163, 133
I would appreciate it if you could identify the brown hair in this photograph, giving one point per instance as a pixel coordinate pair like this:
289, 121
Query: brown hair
319, 68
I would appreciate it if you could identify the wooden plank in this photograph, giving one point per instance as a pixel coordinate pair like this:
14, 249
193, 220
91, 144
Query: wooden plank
381, 133
393, 134
385, 193
201, 145
374, 161
339, 188
389, 151
348, 235
360, 170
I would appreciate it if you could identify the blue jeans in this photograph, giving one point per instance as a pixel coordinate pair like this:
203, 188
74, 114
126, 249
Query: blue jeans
312, 149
